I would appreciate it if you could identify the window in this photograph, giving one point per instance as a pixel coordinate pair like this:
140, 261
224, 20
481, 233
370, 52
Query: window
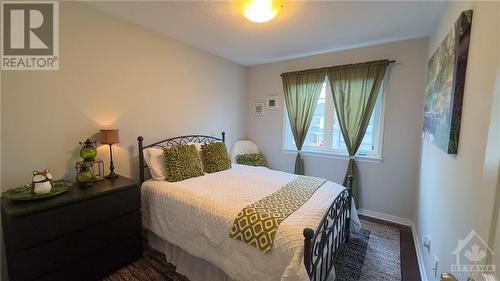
324, 135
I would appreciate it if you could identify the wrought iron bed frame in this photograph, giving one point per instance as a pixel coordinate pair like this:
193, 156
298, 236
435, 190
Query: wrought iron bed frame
321, 246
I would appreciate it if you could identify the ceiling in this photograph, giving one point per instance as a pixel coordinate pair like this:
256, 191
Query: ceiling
301, 28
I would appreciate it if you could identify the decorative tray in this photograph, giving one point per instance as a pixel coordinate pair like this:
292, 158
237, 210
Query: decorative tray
25, 193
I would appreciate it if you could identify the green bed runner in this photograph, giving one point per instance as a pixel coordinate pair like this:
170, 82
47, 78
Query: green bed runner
257, 223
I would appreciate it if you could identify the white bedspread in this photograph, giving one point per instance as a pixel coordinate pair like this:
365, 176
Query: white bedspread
197, 215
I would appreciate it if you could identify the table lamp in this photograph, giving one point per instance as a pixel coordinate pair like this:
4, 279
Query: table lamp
110, 137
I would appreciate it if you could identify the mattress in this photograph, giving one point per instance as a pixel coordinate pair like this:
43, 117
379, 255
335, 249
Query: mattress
197, 214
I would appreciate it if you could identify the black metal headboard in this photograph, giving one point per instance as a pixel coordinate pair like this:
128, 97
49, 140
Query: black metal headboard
173, 141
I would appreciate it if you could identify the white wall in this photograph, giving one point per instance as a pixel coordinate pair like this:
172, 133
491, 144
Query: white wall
493, 143
387, 187
113, 74
456, 193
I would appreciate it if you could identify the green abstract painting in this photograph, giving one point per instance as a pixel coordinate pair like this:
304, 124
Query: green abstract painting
445, 87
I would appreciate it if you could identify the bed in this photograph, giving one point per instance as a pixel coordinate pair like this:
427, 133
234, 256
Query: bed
190, 221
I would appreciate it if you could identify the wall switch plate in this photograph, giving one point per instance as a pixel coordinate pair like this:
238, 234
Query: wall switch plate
426, 242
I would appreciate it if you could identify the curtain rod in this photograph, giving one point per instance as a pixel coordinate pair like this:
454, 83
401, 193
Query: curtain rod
333, 67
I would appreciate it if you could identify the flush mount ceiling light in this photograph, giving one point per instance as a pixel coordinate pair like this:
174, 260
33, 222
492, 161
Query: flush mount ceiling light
260, 11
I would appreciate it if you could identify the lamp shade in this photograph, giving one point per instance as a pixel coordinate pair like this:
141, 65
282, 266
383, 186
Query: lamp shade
110, 136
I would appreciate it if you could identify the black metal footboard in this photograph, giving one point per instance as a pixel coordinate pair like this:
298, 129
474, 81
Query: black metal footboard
321, 246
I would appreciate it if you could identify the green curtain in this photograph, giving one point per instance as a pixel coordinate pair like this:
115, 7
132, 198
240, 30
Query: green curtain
301, 96
355, 88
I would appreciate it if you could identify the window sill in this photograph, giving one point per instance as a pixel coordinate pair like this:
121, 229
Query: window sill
371, 159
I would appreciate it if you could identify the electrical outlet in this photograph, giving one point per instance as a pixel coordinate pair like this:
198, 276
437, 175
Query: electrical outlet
426, 242
435, 267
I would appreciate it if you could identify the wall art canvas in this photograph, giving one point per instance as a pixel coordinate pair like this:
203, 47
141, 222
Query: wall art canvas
445, 87
258, 109
272, 103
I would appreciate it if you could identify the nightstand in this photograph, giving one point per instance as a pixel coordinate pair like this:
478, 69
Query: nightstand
83, 234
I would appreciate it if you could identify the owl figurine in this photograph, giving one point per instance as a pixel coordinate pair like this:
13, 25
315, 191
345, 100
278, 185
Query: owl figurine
42, 182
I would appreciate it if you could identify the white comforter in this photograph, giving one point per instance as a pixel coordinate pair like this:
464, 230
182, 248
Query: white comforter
197, 215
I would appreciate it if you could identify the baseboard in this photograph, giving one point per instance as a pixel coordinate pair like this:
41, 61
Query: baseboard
418, 249
401, 221
385, 217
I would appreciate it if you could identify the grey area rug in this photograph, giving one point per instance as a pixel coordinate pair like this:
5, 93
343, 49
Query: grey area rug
351, 257
151, 267
383, 256
371, 254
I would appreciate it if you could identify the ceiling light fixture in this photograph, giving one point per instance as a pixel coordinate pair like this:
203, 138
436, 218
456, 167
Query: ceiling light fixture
260, 11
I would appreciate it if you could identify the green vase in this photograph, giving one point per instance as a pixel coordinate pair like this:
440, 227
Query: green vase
88, 151
85, 177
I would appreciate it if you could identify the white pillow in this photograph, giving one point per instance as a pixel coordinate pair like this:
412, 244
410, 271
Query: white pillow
198, 148
197, 145
156, 162
243, 147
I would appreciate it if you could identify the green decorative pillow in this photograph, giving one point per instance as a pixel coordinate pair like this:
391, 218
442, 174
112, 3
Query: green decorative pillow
252, 159
215, 157
182, 162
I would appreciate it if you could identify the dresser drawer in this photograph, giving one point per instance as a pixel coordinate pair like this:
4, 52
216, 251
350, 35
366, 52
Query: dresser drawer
100, 263
34, 262
29, 231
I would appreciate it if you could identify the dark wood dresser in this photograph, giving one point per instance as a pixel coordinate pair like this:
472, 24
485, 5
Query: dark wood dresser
83, 234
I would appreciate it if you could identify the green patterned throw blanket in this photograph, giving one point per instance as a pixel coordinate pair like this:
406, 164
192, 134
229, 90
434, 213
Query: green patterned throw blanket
257, 223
